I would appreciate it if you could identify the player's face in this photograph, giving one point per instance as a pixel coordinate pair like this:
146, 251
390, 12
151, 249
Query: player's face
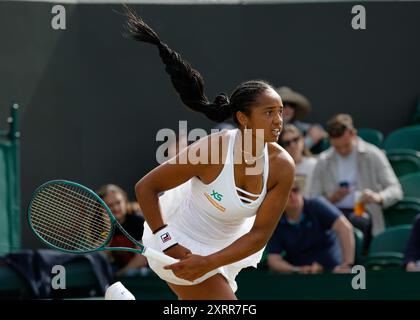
266, 114
116, 202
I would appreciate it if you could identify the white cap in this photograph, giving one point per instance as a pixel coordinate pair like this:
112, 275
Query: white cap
118, 292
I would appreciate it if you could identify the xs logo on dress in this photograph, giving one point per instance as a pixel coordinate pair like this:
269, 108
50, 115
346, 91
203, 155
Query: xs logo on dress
217, 196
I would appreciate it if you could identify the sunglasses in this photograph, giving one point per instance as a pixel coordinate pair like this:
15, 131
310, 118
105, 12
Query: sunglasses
286, 143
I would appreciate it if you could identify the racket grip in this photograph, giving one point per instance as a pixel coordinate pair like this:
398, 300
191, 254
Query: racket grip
159, 256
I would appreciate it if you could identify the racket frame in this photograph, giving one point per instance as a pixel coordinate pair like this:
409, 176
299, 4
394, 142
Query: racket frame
114, 223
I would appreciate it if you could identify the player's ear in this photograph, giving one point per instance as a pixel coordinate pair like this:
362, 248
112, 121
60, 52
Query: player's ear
242, 118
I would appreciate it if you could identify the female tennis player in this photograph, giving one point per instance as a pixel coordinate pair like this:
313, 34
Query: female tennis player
214, 216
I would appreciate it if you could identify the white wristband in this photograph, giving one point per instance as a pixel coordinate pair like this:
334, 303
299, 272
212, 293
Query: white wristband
166, 238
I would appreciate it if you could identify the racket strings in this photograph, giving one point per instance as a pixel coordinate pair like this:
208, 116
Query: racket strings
60, 241
92, 203
72, 231
70, 218
76, 234
69, 208
70, 205
71, 200
92, 206
58, 226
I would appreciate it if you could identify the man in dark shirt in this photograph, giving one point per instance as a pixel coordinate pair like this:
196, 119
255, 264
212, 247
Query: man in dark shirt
305, 240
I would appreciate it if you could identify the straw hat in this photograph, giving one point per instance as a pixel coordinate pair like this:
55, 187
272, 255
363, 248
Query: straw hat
301, 103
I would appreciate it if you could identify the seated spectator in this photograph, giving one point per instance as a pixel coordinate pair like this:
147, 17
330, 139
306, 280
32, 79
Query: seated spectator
307, 235
292, 140
356, 177
412, 251
296, 107
124, 262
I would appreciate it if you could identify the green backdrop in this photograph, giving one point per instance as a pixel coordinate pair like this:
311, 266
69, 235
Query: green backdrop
9, 185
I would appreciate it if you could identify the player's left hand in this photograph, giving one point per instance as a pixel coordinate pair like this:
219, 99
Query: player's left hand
191, 267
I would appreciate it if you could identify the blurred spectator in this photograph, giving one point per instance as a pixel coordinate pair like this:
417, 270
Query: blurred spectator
412, 252
356, 177
292, 140
307, 237
124, 262
296, 107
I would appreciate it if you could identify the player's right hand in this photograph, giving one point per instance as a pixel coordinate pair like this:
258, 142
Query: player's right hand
177, 252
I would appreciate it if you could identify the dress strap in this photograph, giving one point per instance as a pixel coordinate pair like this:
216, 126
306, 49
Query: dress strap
248, 193
245, 199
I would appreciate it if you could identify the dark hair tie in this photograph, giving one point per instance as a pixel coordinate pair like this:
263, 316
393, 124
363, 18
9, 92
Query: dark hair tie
222, 100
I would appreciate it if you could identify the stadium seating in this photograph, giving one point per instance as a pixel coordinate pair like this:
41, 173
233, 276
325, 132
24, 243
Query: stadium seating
370, 135
410, 184
358, 237
387, 248
404, 161
403, 212
407, 138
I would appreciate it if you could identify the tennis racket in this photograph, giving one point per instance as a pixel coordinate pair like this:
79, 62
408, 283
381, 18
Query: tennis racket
72, 218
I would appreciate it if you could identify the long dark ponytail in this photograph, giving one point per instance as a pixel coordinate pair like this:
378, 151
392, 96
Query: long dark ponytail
189, 83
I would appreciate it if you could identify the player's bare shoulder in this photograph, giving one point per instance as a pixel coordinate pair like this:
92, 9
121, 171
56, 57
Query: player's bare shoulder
282, 165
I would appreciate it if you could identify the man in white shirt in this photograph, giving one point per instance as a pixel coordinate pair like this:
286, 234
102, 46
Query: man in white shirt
352, 167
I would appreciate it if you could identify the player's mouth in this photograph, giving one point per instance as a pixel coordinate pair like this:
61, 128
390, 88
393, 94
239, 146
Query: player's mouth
275, 132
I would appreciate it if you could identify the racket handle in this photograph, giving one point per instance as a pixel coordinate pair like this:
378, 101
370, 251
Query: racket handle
159, 256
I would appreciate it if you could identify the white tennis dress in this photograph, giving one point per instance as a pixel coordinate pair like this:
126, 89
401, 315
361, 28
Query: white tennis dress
206, 218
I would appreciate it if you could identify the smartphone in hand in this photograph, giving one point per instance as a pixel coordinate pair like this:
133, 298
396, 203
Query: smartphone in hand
344, 184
